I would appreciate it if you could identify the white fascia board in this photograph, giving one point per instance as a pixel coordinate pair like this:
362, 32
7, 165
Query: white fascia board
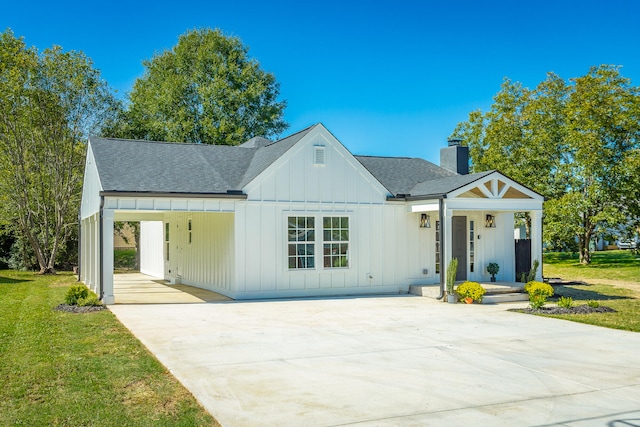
506, 205
138, 216
495, 175
425, 206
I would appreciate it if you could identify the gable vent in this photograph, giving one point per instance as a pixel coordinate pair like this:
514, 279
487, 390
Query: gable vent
318, 155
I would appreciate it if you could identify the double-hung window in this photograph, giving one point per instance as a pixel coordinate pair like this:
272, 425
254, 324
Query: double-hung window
335, 239
301, 242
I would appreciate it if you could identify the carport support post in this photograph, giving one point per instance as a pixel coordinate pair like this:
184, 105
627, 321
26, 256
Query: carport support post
536, 241
107, 256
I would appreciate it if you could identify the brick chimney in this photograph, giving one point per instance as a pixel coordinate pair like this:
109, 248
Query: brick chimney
455, 157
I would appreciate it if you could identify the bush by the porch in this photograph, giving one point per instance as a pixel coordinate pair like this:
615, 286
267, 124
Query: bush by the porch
471, 290
538, 293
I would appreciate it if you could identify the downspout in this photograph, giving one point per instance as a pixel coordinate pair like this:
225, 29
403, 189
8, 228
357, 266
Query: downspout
79, 242
442, 241
101, 269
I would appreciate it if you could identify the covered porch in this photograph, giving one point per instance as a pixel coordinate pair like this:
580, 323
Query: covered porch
475, 223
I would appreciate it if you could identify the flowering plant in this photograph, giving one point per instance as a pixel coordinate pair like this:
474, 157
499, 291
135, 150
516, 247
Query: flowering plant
471, 290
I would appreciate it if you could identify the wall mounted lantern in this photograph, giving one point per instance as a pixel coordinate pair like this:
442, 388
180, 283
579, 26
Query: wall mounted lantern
490, 221
425, 221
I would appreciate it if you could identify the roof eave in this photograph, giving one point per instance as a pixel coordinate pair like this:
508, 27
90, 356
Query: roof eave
228, 195
409, 198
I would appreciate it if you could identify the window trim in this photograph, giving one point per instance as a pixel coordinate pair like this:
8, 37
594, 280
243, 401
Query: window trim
336, 242
319, 240
300, 258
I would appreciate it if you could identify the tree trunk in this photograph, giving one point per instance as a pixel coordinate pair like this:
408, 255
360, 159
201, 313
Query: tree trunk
585, 254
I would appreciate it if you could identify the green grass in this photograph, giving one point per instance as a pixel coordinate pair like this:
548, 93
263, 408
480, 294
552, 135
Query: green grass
63, 369
612, 279
124, 259
607, 265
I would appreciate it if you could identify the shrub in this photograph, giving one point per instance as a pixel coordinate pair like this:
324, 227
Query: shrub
538, 293
471, 290
565, 302
75, 293
532, 273
90, 301
493, 268
451, 275
593, 304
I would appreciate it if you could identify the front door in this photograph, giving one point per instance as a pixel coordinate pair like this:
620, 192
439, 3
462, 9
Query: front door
459, 244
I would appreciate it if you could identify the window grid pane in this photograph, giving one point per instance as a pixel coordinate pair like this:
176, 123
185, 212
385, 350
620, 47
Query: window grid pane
301, 247
437, 247
472, 251
336, 242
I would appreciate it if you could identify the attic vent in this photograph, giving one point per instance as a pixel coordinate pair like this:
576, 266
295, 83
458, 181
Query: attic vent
318, 155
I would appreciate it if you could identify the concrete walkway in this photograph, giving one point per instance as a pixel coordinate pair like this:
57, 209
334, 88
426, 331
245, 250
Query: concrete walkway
392, 361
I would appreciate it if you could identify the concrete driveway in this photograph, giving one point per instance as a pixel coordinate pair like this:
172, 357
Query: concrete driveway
392, 361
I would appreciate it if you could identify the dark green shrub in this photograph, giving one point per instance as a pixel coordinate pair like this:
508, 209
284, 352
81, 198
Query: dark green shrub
75, 293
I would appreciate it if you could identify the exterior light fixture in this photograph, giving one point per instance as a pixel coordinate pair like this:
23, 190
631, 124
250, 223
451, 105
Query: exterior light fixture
490, 221
425, 221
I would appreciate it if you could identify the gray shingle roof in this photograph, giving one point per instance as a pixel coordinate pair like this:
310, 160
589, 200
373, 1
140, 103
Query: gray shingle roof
446, 184
401, 174
165, 167
270, 153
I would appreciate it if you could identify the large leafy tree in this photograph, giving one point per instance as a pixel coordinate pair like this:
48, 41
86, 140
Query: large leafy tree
574, 142
205, 89
49, 103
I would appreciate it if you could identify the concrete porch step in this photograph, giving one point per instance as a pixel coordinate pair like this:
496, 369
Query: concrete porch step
497, 298
431, 291
501, 292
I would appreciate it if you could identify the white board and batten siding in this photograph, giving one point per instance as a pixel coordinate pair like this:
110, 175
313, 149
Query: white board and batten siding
298, 185
203, 256
151, 248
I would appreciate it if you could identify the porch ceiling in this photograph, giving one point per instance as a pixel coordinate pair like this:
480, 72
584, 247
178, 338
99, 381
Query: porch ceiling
138, 215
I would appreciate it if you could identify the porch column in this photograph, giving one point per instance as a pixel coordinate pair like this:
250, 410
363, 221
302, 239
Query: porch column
536, 241
107, 256
445, 247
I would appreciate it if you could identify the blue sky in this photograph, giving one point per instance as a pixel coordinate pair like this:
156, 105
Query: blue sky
386, 78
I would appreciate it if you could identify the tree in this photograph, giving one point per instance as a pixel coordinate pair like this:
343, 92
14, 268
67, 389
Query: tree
49, 103
575, 142
204, 90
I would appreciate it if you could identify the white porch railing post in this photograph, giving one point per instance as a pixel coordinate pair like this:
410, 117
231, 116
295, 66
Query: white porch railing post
536, 241
448, 239
107, 256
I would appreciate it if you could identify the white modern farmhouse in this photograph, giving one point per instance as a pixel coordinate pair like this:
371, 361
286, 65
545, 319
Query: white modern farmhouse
301, 216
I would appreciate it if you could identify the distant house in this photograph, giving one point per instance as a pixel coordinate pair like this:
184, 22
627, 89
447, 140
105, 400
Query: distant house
301, 216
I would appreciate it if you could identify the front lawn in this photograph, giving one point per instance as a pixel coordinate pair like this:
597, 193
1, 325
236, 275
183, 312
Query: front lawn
623, 266
64, 369
612, 279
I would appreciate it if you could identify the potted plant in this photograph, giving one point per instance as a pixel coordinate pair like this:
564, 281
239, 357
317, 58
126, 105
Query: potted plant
493, 269
452, 269
470, 292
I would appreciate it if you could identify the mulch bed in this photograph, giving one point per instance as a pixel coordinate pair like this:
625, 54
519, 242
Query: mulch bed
580, 309
78, 309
